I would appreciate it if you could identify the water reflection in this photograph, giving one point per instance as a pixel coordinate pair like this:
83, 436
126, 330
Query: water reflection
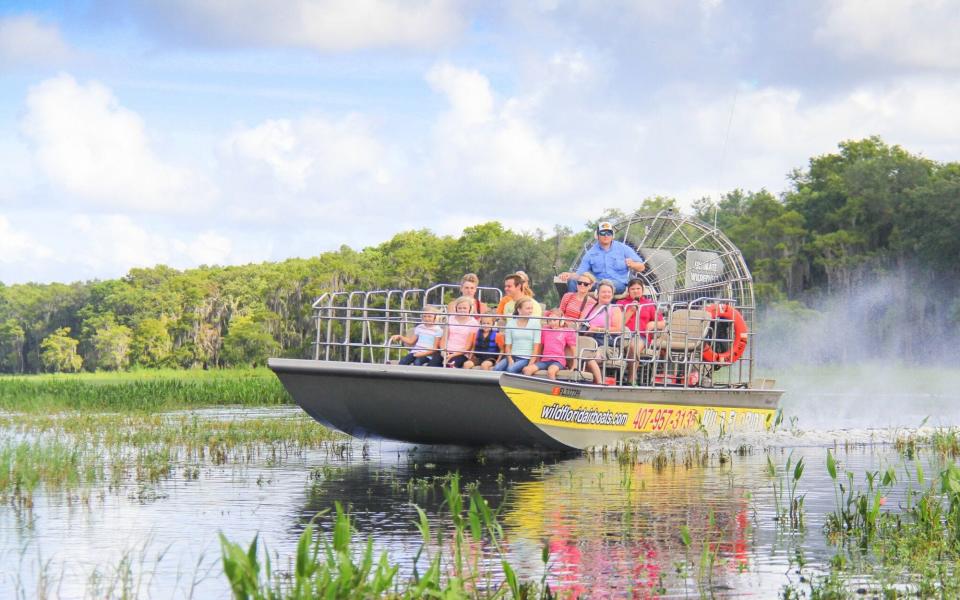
613, 527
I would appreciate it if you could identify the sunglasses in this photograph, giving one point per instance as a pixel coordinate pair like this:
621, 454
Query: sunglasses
584, 283
605, 234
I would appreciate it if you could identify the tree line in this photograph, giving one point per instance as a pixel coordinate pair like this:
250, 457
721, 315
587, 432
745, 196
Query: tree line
847, 218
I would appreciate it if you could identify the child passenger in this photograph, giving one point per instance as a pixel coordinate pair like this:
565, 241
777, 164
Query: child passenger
461, 334
522, 340
486, 352
425, 341
559, 343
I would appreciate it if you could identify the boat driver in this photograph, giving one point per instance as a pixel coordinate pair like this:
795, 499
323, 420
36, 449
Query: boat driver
606, 259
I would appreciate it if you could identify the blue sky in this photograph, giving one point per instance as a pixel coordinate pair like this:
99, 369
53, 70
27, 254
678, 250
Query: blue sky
192, 132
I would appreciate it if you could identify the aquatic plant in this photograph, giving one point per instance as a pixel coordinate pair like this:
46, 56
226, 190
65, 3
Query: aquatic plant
945, 441
857, 514
784, 483
911, 549
332, 566
25, 465
82, 450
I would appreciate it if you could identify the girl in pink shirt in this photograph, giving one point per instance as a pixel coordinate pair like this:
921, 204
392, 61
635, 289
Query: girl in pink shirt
461, 333
559, 343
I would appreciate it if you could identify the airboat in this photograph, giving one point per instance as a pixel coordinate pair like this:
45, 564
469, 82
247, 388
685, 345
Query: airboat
695, 374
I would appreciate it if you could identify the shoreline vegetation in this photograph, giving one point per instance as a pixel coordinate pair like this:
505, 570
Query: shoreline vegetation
142, 390
868, 214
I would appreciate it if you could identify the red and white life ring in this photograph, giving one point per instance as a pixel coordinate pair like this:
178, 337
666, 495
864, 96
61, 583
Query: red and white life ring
740, 335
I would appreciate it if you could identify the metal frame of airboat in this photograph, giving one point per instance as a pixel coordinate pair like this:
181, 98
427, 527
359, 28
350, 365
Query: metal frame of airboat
354, 385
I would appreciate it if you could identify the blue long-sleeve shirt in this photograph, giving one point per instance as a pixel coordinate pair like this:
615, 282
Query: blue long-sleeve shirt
609, 264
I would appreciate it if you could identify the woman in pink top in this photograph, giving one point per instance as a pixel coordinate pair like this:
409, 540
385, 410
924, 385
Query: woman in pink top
460, 335
558, 345
604, 317
604, 324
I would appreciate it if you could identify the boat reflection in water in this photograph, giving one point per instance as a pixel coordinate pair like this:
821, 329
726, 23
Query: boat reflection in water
612, 529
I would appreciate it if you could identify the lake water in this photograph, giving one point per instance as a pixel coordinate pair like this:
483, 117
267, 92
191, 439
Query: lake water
612, 529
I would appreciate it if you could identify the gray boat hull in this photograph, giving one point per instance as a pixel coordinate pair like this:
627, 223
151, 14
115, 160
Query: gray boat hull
421, 405
425, 405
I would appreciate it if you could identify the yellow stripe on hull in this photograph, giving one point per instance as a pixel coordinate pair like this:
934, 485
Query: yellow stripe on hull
556, 410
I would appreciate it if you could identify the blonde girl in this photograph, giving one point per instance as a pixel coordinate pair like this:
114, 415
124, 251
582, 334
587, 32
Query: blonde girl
425, 341
461, 334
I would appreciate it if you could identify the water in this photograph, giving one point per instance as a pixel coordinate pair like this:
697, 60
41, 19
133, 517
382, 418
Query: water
612, 530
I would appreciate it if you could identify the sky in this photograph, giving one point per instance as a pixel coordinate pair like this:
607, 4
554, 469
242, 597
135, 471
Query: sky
190, 132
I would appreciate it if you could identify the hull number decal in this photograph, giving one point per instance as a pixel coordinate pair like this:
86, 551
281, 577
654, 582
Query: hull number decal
565, 392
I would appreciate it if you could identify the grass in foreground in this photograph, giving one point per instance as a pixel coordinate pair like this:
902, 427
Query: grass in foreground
142, 391
335, 567
911, 549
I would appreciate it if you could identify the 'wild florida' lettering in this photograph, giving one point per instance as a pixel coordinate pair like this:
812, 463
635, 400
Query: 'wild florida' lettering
584, 416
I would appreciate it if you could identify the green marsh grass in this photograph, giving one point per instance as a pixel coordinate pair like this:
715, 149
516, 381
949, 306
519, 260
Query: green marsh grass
194, 433
910, 548
141, 391
81, 450
447, 564
945, 441
25, 465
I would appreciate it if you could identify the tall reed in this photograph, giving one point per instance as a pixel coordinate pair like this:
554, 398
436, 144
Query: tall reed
148, 391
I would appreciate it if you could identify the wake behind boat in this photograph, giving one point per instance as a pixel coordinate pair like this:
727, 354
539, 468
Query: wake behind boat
696, 372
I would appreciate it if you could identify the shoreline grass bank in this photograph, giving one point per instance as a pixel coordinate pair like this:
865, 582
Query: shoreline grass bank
141, 391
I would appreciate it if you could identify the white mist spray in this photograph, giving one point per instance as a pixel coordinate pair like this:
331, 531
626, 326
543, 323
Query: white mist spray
882, 354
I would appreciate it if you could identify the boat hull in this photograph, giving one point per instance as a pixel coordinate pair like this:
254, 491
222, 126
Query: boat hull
424, 405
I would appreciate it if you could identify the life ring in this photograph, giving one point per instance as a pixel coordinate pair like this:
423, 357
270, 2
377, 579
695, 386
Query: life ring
740, 334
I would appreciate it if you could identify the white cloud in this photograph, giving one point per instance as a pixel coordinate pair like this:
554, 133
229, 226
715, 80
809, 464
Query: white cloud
777, 129
310, 154
57, 246
24, 41
496, 146
90, 146
16, 246
571, 66
783, 120
326, 25
116, 243
916, 33
469, 94
208, 248
526, 155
